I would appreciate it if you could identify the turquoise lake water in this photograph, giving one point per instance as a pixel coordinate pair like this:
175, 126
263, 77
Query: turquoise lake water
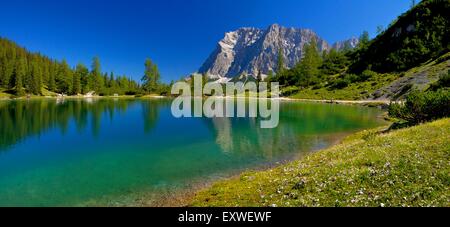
77, 152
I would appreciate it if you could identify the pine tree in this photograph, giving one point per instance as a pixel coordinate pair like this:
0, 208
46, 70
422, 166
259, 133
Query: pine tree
64, 78
35, 78
280, 61
4, 78
151, 77
45, 67
112, 83
96, 75
20, 72
111, 80
258, 80
80, 72
270, 76
9, 63
380, 29
334, 62
308, 68
364, 39
104, 81
52, 76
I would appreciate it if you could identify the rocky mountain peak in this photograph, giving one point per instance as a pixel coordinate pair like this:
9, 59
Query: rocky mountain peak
254, 50
346, 44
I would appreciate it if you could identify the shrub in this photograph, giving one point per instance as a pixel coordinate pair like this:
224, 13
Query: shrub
443, 82
352, 78
421, 107
367, 75
291, 90
131, 93
317, 86
340, 83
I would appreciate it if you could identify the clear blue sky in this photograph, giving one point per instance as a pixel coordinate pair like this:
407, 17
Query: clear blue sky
177, 34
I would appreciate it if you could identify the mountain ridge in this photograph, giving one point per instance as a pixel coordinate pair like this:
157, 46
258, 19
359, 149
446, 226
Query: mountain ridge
249, 50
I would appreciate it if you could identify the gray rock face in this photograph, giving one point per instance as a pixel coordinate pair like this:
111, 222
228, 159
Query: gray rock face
346, 44
415, 80
253, 50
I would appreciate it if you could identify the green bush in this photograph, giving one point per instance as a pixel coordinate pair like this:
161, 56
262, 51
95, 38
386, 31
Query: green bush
340, 83
352, 78
291, 90
131, 93
421, 107
367, 74
317, 86
443, 82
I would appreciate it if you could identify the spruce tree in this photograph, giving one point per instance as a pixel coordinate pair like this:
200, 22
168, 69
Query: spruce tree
52, 76
364, 39
35, 78
112, 83
64, 78
280, 61
111, 79
308, 68
258, 80
10, 62
80, 72
20, 72
334, 62
96, 75
151, 76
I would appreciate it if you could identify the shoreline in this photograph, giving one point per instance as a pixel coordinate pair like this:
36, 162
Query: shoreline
331, 169
340, 101
184, 197
81, 97
329, 101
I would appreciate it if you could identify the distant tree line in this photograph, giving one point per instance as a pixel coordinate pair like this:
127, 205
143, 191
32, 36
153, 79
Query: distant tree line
23, 72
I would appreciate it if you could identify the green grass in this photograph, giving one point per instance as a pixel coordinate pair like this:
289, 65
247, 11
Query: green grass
46, 92
408, 167
9, 93
361, 90
355, 91
4, 94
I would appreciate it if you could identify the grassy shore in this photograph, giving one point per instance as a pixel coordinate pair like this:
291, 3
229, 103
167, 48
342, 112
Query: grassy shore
354, 91
408, 167
4, 94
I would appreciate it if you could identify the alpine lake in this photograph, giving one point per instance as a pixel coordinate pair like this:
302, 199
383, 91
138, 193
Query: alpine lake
115, 152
